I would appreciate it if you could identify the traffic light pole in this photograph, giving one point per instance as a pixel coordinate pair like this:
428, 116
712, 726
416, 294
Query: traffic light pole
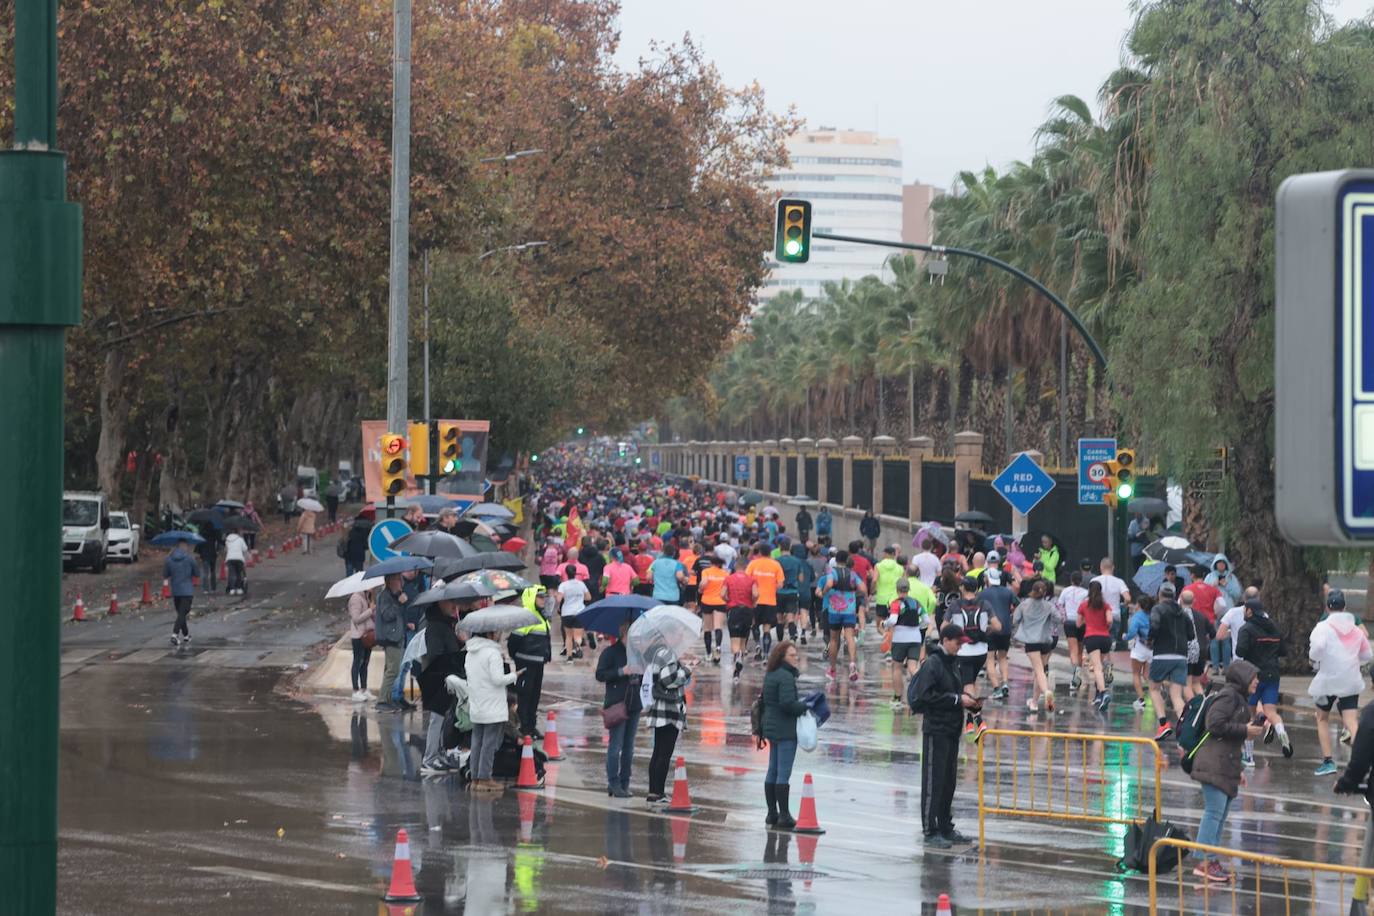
40, 296
986, 259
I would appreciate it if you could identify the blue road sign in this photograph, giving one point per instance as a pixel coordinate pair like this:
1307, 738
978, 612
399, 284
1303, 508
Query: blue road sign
654, 459
1023, 484
1355, 431
1093, 455
383, 534
742, 468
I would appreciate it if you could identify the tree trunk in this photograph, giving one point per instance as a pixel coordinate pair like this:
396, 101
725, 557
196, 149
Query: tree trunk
114, 414
1077, 393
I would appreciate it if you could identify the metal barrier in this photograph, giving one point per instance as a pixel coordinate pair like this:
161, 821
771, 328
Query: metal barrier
1348, 877
1101, 762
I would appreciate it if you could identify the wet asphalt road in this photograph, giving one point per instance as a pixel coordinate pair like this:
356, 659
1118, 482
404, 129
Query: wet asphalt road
198, 781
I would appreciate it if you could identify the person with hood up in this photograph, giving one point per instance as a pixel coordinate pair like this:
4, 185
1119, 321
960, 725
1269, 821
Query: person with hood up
487, 682
1337, 649
355, 546
1221, 577
1048, 555
824, 523
870, 529
443, 656
179, 569
1261, 644
1217, 762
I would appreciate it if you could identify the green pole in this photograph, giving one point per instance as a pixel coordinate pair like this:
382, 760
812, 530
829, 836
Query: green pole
40, 296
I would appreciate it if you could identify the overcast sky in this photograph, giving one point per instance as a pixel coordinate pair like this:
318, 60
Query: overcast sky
960, 84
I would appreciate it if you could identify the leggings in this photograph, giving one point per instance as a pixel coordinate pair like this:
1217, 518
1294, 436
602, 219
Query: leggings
183, 606
665, 739
361, 656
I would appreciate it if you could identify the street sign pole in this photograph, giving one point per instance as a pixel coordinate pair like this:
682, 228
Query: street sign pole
40, 296
398, 326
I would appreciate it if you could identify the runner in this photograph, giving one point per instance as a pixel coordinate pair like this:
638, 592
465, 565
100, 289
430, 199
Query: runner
1097, 616
1116, 595
741, 594
843, 594
1261, 644
573, 596
1138, 635
1169, 634
999, 600
1203, 633
795, 578
908, 620
711, 582
688, 557
973, 617
1070, 600
768, 574
667, 576
1337, 649
1034, 624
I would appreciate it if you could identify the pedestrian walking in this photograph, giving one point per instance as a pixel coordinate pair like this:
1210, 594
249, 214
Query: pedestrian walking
667, 678
824, 525
487, 681
355, 545
443, 656
1034, 624
1169, 634
940, 696
781, 709
391, 629
305, 527
362, 609
179, 569
1262, 645
286, 499
870, 529
1217, 761
331, 501
1337, 649
208, 552
620, 709
531, 648
236, 562
804, 525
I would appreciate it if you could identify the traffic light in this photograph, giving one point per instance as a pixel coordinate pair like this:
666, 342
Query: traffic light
792, 239
1121, 478
581, 430
393, 464
419, 449
450, 461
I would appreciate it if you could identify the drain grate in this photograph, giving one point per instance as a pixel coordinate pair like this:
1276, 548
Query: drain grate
777, 873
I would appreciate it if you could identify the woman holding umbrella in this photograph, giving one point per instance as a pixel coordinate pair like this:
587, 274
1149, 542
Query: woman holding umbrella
305, 526
667, 717
620, 710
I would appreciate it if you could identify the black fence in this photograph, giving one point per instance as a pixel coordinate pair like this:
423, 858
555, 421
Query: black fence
862, 496
834, 480
773, 465
937, 492
896, 488
983, 497
757, 482
812, 487
794, 485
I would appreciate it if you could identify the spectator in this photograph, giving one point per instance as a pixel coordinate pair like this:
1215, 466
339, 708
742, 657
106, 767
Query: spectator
1217, 763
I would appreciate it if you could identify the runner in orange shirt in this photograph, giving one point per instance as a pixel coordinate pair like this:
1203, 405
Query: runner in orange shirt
712, 604
688, 557
767, 572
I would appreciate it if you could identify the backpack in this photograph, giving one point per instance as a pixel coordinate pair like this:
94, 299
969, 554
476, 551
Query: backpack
756, 720
1142, 836
1192, 728
913, 699
836, 599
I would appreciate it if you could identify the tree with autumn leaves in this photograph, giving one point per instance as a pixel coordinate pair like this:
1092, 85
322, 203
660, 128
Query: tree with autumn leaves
233, 163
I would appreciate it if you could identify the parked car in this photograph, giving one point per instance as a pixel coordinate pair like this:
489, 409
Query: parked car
85, 529
125, 538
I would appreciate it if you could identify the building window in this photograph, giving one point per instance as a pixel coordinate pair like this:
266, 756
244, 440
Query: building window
839, 195
844, 160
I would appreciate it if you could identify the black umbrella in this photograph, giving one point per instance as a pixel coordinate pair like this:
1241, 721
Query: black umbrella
448, 567
206, 517
1174, 550
973, 517
434, 544
1149, 506
241, 523
229, 504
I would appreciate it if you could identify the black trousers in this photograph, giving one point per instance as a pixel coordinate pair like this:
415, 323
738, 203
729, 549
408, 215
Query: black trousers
183, 607
529, 686
939, 773
665, 740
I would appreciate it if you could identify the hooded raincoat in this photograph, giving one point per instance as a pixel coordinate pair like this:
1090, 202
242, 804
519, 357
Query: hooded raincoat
1337, 649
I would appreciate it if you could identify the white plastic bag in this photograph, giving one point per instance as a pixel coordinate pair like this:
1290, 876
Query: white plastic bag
806, 731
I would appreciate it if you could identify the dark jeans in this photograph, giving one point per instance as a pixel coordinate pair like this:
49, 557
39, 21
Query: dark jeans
620, 754
183, 608
665, 739
361, 657
331, 503
235, 570
529, 686
781, 756
208, 573
939, 773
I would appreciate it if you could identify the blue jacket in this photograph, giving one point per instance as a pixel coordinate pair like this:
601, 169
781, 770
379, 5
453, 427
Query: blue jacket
1139, 627
823, 523
179, 570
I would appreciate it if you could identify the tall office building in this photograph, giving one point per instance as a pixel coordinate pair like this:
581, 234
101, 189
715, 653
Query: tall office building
853, 179
918, 221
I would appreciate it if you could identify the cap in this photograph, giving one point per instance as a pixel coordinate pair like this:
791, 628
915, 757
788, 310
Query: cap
903, 585
1257, 605
993, 576
1335, 599
993, 557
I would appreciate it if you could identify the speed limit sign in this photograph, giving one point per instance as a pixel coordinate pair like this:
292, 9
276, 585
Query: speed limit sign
1097, 472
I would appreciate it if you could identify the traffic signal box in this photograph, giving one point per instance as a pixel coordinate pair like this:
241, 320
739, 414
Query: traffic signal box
419, 449
450, 460
1120, 478
792, 240
393, 464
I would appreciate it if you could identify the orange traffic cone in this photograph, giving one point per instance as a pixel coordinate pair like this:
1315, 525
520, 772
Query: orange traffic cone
527, 779
271, 552
252, 560
527, 802
79, 610
147, 598
114, 604
680, 826
806, 852
806, 818
551, 748
942, 906
166, 588
402, 888
682, 801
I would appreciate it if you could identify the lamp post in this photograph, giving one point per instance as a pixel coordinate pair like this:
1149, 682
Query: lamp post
398, 325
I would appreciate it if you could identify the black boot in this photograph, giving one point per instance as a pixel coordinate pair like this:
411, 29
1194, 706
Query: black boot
785, 820
770, 793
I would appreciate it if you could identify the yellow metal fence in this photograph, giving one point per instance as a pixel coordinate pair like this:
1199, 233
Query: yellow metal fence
1100, 779
1262, 884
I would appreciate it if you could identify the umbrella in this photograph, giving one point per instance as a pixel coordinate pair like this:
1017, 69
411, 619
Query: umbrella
503, 531
453, 591
973, 517
397, 565
606, 615
498, 580
669, 626
514, 545
434, 544
172, 538
206, 517
928, 532
310, 505
431, 504
229, 504
1170, 550
491, 510
752, 498
483, 543
803, 501
352, 584
769, 510
241, 523
470, 527
452, 567
497, 619
1149, 506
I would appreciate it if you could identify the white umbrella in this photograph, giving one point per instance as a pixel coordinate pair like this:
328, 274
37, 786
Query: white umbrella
310, 505
666, 625
498, 618
353, 583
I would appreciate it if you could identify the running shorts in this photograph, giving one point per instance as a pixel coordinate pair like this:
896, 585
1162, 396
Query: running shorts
1072, 630
969, 666
787, 604
1195, 669
902, 651
999, 642
1097, 644
1141, 653
766, 615
711, 608
1044, 648
688, 593
738, 620
1170, 670
1268, 693
1342, 704
841, 621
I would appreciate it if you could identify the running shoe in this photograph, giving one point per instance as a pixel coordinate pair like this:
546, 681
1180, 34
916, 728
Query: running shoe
1346, 737
1077, 680
803, 638
1101, 701
766, 643
591, 641
1139, 704
758, 653
853, 672
739, 669
1164, 731
1109, 675
1247, 760
935, 841
1325, 768
715, 657
970, 729
176, 640
1032, 705
1269, 733
1286, 743
978, 732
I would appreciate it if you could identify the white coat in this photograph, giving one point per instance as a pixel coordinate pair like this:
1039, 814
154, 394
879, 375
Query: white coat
1338, 648
487, 682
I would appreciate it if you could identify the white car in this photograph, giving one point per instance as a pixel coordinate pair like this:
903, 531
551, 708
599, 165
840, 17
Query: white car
124, 538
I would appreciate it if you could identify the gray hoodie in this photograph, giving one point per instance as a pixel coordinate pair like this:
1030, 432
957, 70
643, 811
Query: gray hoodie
1035, 621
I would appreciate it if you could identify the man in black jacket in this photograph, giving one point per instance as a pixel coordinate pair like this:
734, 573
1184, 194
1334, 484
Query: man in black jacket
938, 694
1261, 644
1170, 630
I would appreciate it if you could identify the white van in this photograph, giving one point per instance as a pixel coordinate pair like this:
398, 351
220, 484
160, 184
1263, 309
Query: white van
85, 529
308, 480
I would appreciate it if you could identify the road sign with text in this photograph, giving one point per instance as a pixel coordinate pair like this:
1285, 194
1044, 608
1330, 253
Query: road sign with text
1023, 484
1093, 455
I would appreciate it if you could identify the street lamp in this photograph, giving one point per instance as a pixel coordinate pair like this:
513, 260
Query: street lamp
523, 246
511, 157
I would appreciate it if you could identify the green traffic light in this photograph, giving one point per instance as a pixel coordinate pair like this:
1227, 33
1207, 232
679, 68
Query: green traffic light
1125, 491
453, 465
793, 247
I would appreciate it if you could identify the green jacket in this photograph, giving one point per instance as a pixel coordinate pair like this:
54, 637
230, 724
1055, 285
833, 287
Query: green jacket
1049, 558
780, 704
